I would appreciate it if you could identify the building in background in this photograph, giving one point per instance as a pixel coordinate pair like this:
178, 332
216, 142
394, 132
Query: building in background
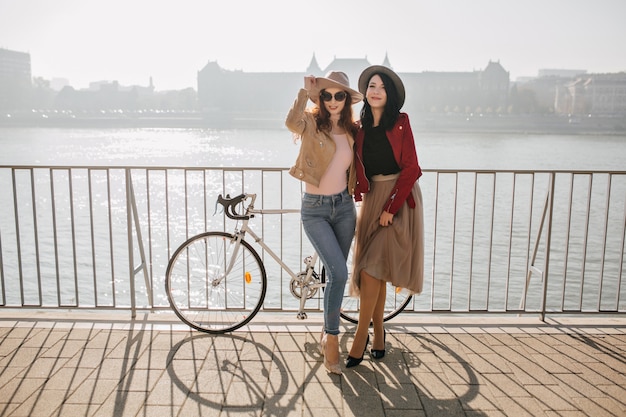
238, 95
15, 79
594, 94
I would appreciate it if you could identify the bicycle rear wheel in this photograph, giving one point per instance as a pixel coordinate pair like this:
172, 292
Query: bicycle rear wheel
396, 301
214, 283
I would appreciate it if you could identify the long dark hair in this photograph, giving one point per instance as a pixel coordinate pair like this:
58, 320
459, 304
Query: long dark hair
346, 120
392, 107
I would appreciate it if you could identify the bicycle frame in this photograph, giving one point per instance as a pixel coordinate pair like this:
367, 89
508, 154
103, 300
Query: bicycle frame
303, 278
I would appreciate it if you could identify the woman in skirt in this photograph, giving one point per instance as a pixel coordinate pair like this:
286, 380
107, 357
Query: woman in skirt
389, 234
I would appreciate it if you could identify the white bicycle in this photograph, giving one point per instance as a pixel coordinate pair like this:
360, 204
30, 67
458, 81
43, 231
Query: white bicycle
216, 281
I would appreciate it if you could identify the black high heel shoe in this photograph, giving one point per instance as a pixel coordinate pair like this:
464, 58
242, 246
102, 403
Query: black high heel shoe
379, 353
350, 362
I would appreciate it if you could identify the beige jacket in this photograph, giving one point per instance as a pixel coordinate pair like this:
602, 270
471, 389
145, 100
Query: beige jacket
317, 148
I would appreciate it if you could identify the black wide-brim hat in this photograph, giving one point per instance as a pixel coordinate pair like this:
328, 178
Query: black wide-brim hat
368, 72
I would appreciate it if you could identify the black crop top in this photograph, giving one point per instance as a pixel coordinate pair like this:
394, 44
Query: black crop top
377, 153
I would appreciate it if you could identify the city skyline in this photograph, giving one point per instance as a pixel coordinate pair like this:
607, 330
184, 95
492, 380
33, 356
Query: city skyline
131, 42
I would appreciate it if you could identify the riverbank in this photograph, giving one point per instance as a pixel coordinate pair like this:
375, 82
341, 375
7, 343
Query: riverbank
531, 124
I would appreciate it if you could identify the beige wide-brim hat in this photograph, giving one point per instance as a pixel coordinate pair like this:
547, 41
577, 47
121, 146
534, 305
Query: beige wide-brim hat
334, 79
381, 69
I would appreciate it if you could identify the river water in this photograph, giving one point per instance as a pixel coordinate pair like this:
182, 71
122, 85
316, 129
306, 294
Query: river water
275, 148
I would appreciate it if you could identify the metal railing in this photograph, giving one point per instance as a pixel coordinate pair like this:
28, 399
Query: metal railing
85, 237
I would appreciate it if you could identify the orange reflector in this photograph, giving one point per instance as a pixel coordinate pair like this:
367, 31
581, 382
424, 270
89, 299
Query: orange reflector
248, 277
398, 289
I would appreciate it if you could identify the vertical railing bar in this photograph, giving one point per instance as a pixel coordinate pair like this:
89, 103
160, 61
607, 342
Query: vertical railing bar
493, 215
223, 192
621, 259
205, 226
186, 187
243, 189
604, 239
585, 243
301, 233
510, 247
2, 281
206, 223
282, 228
36, 233
530, 220
452, 254
150, 242
111, 247
167, 215
129, 235
187, 232
55, 237
434, 261
224, 229
472, 238
567, 240
140, 245
204, 200
530, 217
17, 238
548, 246
530, 259
73, 229
93, 240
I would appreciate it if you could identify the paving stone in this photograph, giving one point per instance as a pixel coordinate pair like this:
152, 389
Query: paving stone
521, 407
600, 407
399, 397
41, 404
287, 405
364, 405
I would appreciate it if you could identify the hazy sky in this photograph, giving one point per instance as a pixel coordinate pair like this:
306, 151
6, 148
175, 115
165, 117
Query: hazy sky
131, 40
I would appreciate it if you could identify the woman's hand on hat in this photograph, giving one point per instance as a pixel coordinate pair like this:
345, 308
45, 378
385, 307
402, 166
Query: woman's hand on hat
309, 82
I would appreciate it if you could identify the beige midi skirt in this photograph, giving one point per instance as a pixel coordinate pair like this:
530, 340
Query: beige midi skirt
393, 253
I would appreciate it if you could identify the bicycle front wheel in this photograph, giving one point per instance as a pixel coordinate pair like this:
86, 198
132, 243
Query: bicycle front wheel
214, 283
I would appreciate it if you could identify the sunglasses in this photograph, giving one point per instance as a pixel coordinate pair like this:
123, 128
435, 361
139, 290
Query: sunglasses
339, 96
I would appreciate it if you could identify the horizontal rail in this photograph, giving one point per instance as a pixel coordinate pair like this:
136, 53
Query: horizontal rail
496, 241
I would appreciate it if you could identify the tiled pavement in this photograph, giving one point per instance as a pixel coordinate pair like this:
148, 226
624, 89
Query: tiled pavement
101, 364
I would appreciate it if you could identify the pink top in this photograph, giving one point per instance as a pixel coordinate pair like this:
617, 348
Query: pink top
335, 179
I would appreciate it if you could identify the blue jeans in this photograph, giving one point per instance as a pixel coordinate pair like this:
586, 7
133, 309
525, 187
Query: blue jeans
329, 222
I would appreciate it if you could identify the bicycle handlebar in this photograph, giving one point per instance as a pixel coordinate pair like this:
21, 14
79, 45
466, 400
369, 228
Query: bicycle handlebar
230, 205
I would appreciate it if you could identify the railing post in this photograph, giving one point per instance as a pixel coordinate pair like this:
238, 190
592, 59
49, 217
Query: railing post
548, 243
131, 214
129, 231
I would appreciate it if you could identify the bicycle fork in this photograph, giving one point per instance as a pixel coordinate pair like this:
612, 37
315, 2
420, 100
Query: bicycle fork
236, 241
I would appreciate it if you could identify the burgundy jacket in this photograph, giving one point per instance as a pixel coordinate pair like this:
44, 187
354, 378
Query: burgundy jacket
403, 145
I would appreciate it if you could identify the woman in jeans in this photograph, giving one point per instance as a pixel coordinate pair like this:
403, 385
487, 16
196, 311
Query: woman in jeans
326, 165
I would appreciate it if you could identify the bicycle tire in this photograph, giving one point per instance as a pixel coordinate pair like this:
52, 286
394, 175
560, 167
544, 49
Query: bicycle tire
396, 301
204, 303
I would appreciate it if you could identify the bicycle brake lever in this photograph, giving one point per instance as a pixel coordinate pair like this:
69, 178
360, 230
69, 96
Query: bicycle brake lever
217, 203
